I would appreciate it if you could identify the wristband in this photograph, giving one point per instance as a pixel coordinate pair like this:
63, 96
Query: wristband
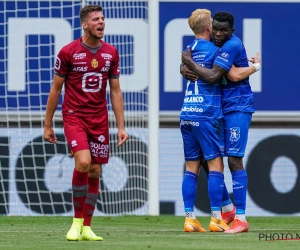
257, 66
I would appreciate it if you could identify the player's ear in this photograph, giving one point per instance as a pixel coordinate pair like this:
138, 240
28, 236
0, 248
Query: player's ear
84, 25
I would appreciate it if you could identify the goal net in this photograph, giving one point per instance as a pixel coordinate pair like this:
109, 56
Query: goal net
35, 176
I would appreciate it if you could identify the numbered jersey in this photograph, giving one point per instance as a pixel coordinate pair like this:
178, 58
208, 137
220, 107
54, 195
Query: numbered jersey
86, 72
202, 100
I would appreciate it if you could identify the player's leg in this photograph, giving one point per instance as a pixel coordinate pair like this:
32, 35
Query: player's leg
79, 192
189, 187
211, 138
237, 125
228, 209
215, 193
77, 140
192, 153
99, 150
90, 203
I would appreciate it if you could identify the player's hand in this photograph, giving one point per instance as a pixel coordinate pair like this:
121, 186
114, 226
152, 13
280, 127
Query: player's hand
188, 74
122, 137
49, 135
186, 56
255, 59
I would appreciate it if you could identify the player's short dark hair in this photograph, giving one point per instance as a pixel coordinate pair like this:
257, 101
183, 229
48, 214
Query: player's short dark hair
223, 16
85, 11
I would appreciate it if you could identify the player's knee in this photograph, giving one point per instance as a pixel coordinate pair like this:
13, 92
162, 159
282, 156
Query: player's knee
235, 163
82, 165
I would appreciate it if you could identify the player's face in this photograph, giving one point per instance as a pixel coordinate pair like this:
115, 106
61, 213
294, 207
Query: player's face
95, 24
221, 32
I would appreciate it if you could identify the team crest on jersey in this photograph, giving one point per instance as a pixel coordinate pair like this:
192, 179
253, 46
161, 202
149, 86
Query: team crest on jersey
235, 134
94, 63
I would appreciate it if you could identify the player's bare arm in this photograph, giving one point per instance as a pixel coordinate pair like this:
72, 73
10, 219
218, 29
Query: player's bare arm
187, 73
51, 107
213, 75
118, 108
237, 74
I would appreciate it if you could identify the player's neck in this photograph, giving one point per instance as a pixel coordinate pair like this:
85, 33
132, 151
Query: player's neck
203, 36
90, 41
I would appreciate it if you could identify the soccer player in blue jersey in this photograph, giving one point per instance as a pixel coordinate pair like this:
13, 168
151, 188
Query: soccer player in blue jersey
201, 125
237, 105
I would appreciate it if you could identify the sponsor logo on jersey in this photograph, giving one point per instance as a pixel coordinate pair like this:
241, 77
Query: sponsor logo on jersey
107, 63
94, 63
106, 56
194, 124
101, 138
192, 109
74, 143
79, 56
79, 63
193, 99
225, 55
105, 69
80, 69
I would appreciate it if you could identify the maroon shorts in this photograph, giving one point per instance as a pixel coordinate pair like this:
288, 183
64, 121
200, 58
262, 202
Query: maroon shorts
85, 132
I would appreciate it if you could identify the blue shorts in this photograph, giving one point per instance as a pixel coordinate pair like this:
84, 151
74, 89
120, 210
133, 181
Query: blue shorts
202, 138
236, 127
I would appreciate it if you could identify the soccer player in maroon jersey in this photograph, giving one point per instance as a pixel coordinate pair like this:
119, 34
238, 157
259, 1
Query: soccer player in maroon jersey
85, 66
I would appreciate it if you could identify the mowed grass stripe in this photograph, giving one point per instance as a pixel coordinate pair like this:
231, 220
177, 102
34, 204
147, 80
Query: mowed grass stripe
142, 232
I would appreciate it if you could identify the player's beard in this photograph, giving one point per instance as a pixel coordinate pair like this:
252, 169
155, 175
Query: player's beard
93, 35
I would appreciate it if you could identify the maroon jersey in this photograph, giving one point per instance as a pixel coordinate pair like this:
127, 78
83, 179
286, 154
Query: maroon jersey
86, 73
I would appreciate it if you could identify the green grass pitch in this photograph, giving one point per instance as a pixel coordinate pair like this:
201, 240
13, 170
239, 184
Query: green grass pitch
146, 232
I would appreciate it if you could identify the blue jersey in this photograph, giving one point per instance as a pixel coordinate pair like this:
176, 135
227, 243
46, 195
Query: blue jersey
202, 100
236, 96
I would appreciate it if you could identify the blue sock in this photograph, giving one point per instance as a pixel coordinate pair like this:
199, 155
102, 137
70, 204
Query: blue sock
215, 190
226, 198
189, 188
239, 185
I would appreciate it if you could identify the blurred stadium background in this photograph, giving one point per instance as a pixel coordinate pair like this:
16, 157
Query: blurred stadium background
144, 177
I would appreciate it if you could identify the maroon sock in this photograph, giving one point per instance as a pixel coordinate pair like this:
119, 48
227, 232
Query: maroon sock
79, 190
91, 200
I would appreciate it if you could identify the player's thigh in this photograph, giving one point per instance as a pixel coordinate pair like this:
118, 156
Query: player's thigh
82, 160
210, 134
191, 146
98, 136
236, 128
75, 133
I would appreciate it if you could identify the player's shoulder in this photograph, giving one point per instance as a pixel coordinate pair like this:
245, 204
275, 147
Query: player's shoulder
233, 43
235, 40
71, 46
108, 46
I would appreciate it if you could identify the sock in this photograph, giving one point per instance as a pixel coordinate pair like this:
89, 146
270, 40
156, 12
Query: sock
240, 217
239, 184
189, 187
215, 192
190, 215
79, 192
227, 205
91, 200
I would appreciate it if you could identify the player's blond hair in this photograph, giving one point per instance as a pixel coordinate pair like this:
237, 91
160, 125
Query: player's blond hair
199, 20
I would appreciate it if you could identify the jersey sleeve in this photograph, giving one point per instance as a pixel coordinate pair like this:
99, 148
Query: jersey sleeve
114, 71
61, 63
227, 55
